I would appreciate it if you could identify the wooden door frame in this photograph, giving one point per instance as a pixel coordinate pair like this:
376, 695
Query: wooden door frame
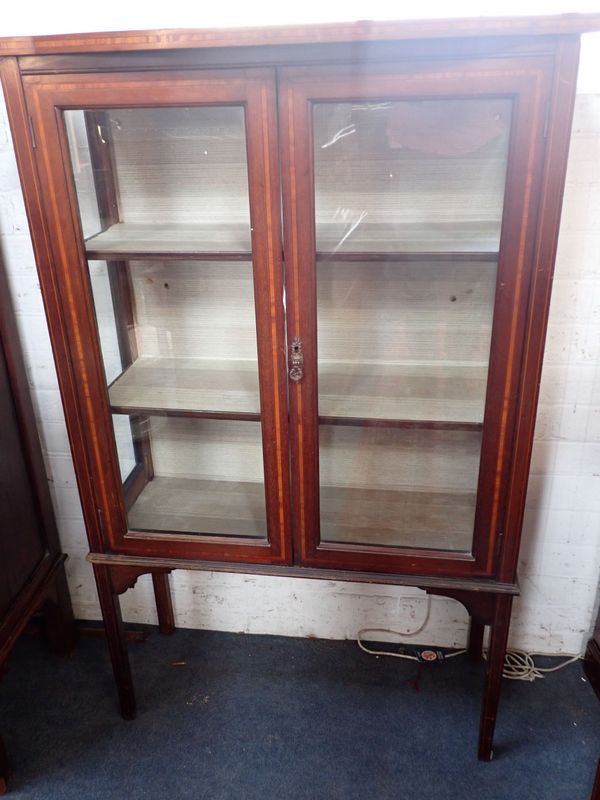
526, 79
68, 286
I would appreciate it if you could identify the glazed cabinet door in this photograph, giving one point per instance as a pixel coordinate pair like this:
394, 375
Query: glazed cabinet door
409, 206
161, 193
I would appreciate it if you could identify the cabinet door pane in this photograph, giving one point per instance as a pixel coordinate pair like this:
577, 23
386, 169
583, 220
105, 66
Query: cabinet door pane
164, 205
408, 203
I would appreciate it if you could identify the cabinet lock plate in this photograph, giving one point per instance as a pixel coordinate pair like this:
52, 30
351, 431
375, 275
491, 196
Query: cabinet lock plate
296, 371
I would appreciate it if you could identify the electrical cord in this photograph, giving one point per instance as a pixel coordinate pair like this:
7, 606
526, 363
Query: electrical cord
518, 664
388, 631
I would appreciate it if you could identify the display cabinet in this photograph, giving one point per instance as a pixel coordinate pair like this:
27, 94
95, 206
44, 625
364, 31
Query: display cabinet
297, 282
32, 571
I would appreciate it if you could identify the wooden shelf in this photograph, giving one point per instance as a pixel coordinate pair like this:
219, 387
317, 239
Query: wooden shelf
349, 394
209, 242
188, 387
430, 520
369, 242
450, 397
378, 242
191, 505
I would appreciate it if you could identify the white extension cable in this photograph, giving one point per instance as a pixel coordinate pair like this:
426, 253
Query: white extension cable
518, 665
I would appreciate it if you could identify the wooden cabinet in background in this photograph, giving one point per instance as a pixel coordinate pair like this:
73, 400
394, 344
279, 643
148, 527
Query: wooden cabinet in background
32, 573
364, 414
592, 658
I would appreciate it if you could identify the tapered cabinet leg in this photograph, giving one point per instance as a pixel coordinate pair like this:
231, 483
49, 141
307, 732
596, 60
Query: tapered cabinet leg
59, 623
493, 679
475, 645
164, 606
115, 635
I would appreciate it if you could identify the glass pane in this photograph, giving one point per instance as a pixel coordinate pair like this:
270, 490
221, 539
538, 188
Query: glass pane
408, 203
163, 200
398, 487
207, 477
412, 176
173, 180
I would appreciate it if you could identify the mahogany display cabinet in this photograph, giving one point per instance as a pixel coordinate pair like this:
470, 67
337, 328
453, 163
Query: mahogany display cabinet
297, 283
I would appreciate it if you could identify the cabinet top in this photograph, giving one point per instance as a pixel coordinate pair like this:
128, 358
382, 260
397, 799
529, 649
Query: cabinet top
363, 30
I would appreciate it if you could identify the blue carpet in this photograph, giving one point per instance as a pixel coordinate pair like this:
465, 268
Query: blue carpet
261, 717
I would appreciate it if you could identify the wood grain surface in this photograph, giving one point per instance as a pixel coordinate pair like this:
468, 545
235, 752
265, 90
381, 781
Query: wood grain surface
360, 31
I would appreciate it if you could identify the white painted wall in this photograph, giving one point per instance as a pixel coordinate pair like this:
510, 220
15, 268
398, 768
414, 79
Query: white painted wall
560, 557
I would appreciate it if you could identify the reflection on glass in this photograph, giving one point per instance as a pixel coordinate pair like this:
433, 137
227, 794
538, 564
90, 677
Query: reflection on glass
408, 203
411, 176
163, 200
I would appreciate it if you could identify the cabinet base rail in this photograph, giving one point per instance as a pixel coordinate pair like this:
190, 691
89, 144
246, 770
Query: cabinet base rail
488, 603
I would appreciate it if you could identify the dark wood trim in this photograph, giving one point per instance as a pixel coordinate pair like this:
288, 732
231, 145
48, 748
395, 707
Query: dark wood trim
493, 681
164, 604
123, 578
121, 290
134, 484
546, 228
409, 424
513, 285
368, 422
265, 217
151, 411
28, 601
166, 255
481, 606
331, 551
467, 585
298, 34
59, 625
430, 256
289, 55
115, 636
591, 664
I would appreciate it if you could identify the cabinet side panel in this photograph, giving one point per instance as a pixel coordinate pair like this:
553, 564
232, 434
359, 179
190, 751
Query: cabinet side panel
560, 115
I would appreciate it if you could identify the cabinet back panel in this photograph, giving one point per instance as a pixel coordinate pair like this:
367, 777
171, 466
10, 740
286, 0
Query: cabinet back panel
194, 309
386, 162
403, 312
415, 460
181, 165
206, 449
